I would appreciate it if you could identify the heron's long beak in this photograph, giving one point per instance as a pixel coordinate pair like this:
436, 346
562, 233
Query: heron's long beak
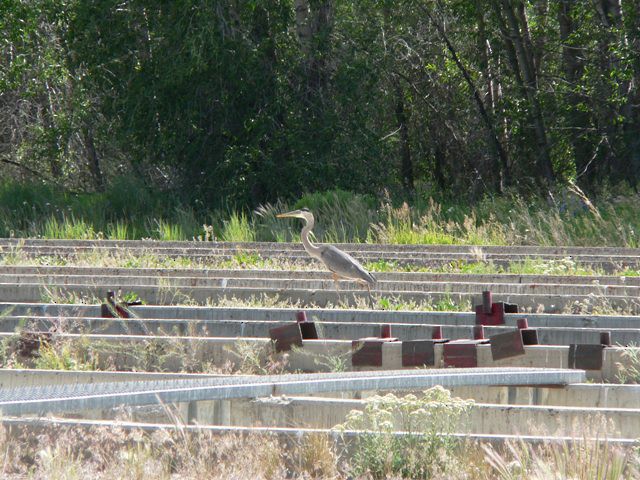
293, 214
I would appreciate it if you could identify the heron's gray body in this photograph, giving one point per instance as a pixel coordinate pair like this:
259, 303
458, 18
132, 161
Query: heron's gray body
344, 265
341, 264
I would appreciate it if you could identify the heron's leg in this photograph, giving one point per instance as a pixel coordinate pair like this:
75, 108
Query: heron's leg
336, 280
370, 297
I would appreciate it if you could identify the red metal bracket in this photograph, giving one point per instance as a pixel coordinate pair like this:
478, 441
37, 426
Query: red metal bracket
418, 353
292, 334
286, 336
114, 309
586, 357
490, 313
461, 353
367, 352
529, 335
506, 345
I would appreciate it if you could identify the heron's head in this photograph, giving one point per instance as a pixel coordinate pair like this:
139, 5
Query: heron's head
303, 213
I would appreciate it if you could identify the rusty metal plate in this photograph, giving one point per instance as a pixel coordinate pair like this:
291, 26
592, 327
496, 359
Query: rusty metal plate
510, 308
366, 353
586, 357
529, 336
286, 336
496, 317
308, 330
29, 343
506, 345
108, 310
416, 353
461, 355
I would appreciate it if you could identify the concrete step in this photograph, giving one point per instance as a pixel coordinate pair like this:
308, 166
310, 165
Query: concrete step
184, 312
303, 284
99, 396
589, 395
284, 246
159, 295
482, 418
605, 262
268, 283
196, 274
175, 354
557, 335
50, 425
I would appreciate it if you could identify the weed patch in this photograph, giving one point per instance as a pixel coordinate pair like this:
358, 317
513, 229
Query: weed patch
424, 451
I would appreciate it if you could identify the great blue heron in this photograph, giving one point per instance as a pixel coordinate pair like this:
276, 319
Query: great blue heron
341, 264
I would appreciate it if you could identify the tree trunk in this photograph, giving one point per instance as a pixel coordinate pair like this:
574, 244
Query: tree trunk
615, 166
524, 58
94, 160
501, 163
303, 29
406, 163
578, 119
631, 109
483, 53
321, 28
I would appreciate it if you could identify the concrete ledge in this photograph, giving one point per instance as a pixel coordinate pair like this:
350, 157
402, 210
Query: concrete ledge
347, 330
123, 352
79, 397
288, 246
268, 281
159, 295
482, 418
590, 395
39, 425
211, 274
184, 312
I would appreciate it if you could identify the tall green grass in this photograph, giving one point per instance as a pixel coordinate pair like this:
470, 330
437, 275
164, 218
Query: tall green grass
129, 210
238, 229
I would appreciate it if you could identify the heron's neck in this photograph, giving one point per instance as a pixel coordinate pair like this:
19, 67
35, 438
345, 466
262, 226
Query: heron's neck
311, 249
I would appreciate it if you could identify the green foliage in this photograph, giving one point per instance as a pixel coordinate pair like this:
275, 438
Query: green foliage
444, 303
168, 231
238, 229
30, 210
61, 357
425, 451
68, 227
341, 216
629, 368
244, 103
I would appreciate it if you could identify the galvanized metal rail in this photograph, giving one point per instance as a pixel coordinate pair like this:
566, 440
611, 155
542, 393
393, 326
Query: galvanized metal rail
79, 397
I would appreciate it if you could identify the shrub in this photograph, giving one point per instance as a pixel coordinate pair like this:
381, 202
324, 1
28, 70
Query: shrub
425, 446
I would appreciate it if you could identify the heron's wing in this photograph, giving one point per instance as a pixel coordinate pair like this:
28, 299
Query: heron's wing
343, 264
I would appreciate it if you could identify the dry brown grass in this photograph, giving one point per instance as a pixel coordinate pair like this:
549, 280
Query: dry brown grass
63, 452
106, 453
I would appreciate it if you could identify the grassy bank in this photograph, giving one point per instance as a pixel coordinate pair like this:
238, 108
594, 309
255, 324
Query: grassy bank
130, 211
65, 452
